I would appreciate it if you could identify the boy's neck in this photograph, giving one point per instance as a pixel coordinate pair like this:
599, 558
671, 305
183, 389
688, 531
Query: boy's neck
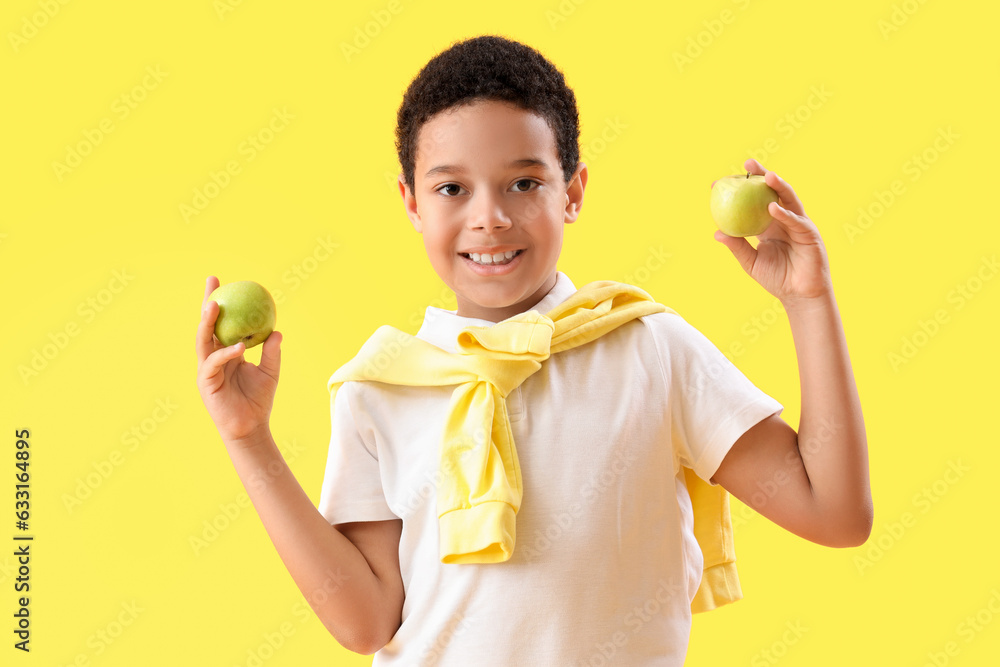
474, 310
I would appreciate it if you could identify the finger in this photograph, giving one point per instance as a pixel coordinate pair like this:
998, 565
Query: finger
270, 356
211, 372
744, 253
798, 227
204, 343
210, 286
786, 194
754, 167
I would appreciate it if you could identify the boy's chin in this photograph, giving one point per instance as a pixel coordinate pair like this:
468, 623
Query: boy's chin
493, 307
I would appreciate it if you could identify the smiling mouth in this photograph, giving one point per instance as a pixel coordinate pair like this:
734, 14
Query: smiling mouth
487, 260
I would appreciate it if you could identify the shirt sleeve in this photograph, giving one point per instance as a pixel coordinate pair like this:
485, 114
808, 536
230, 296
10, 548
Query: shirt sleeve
352, 483
711, 402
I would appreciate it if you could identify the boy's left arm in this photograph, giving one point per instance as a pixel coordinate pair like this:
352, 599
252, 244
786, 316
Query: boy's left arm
815, 482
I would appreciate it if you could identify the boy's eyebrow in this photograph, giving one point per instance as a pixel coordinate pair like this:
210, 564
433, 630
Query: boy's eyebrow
443, 169
454, 169
529, 162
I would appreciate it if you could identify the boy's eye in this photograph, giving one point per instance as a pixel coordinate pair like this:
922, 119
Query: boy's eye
526, 182
447, 189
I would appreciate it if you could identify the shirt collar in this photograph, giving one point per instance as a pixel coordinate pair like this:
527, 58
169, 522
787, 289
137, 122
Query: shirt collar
441, 327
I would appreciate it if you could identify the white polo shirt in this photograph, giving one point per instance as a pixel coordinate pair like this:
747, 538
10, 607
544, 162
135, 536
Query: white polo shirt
605, 562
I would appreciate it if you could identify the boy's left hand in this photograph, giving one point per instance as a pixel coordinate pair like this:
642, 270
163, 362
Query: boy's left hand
790, 258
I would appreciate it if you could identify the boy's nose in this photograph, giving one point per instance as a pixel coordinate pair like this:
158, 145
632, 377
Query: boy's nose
488, 215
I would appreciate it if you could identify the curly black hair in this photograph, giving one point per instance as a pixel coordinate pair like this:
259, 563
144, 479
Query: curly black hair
489, 67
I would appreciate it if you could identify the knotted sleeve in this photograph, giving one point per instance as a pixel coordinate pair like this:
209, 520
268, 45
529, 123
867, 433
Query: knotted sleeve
479, 492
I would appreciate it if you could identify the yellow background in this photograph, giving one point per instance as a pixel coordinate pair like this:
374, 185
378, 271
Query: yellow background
840, 99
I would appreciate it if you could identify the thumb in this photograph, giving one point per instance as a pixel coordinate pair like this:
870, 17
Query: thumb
744, 253
270, 357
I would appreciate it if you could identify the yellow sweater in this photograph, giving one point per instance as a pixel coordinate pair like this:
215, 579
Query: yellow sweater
480, 492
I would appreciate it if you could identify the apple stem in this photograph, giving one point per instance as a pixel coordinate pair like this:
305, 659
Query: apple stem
748, 175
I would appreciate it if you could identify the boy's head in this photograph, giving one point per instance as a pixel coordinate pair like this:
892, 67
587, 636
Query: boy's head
488, 142
489, 67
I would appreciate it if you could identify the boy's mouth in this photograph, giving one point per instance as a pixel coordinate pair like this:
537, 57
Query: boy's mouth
497, 259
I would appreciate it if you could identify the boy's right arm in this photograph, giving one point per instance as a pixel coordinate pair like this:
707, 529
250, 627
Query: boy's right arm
349, 574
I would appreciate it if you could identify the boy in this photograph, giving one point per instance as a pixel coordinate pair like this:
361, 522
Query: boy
606, 565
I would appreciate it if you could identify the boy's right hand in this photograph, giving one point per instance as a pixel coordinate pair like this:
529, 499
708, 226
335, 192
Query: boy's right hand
238, 394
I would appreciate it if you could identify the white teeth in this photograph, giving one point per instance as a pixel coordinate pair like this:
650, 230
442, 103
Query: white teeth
498, 258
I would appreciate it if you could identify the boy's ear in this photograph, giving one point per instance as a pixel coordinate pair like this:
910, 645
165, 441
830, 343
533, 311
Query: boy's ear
574, 193
410, 202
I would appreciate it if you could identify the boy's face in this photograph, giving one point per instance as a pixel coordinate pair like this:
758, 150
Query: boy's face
487, 180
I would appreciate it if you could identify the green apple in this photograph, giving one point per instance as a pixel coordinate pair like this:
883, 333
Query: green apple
246, 313
739, 204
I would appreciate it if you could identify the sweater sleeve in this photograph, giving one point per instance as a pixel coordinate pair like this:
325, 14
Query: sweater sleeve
711, 402
352, 483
